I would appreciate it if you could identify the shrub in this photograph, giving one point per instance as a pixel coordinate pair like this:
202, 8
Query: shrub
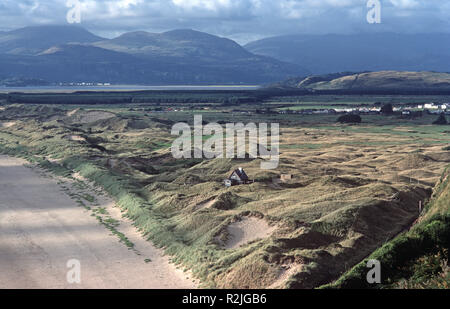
350, 118
387, 109
441, 120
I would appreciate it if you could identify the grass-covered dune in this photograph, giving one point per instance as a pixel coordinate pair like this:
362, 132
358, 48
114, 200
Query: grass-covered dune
417, 258
353, 187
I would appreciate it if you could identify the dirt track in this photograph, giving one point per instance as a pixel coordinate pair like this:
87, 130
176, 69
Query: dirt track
42, 228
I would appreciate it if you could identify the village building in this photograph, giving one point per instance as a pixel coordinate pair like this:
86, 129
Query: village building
238, 177
431, 106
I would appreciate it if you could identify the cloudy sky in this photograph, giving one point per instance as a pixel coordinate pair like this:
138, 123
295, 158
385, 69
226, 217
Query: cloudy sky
242, 20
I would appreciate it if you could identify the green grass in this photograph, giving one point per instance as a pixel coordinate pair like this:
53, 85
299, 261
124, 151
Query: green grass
191, 250
430, 271
111, 226
414, 258
101, 211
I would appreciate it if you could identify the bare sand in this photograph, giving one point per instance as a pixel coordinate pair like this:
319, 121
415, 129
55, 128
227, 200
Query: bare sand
77, 138
247, 230
7, 124
204, 205
286, 272
42, 228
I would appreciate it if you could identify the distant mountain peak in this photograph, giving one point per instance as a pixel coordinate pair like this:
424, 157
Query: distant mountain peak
182, 56
136, 34
322, 54
176, 43
184, 31
60, 30
188, 34
37, 39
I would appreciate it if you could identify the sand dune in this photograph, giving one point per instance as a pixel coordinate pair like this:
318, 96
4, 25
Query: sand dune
247, 230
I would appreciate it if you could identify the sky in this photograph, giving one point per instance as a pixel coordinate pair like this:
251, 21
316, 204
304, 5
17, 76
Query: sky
241, 20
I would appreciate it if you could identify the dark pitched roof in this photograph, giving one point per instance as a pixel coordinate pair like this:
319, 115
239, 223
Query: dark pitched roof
241, 174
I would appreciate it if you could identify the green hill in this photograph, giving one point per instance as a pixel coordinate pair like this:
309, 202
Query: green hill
384, 80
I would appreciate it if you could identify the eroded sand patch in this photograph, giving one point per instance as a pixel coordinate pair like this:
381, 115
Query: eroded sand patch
286, 272
7, 124
247, 230
53, 160
76, 138
205, 205
72, 112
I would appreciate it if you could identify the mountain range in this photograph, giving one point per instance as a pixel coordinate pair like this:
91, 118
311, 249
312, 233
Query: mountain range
71, 54
63, 54
324, 54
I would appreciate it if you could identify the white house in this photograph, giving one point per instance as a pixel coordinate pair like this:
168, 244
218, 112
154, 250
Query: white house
431, 106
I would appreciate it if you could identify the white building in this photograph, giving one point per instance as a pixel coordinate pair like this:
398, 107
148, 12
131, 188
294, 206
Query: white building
431, 106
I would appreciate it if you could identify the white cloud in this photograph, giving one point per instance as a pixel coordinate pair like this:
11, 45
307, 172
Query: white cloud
235, 18
210, 5
405, 4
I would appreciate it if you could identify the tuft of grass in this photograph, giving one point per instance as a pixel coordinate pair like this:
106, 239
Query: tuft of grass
111, 226
101, 210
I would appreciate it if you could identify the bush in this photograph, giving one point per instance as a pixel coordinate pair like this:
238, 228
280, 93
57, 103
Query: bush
387, 109
350, 118
441, 120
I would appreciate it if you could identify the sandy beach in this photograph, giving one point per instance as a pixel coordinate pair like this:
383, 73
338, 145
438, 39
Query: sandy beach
42, 228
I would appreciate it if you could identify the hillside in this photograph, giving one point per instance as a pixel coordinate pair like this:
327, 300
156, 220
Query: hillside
417, 258
384, 80
72, 54
33, 40
177, 43
322, 54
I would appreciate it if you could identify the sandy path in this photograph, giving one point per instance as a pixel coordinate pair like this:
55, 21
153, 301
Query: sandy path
42, 228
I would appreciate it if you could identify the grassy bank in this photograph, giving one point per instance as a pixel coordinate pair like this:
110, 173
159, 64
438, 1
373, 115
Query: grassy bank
417, 258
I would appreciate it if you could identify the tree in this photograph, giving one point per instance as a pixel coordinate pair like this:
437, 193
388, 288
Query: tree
441, 120
387, 109
350, 118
